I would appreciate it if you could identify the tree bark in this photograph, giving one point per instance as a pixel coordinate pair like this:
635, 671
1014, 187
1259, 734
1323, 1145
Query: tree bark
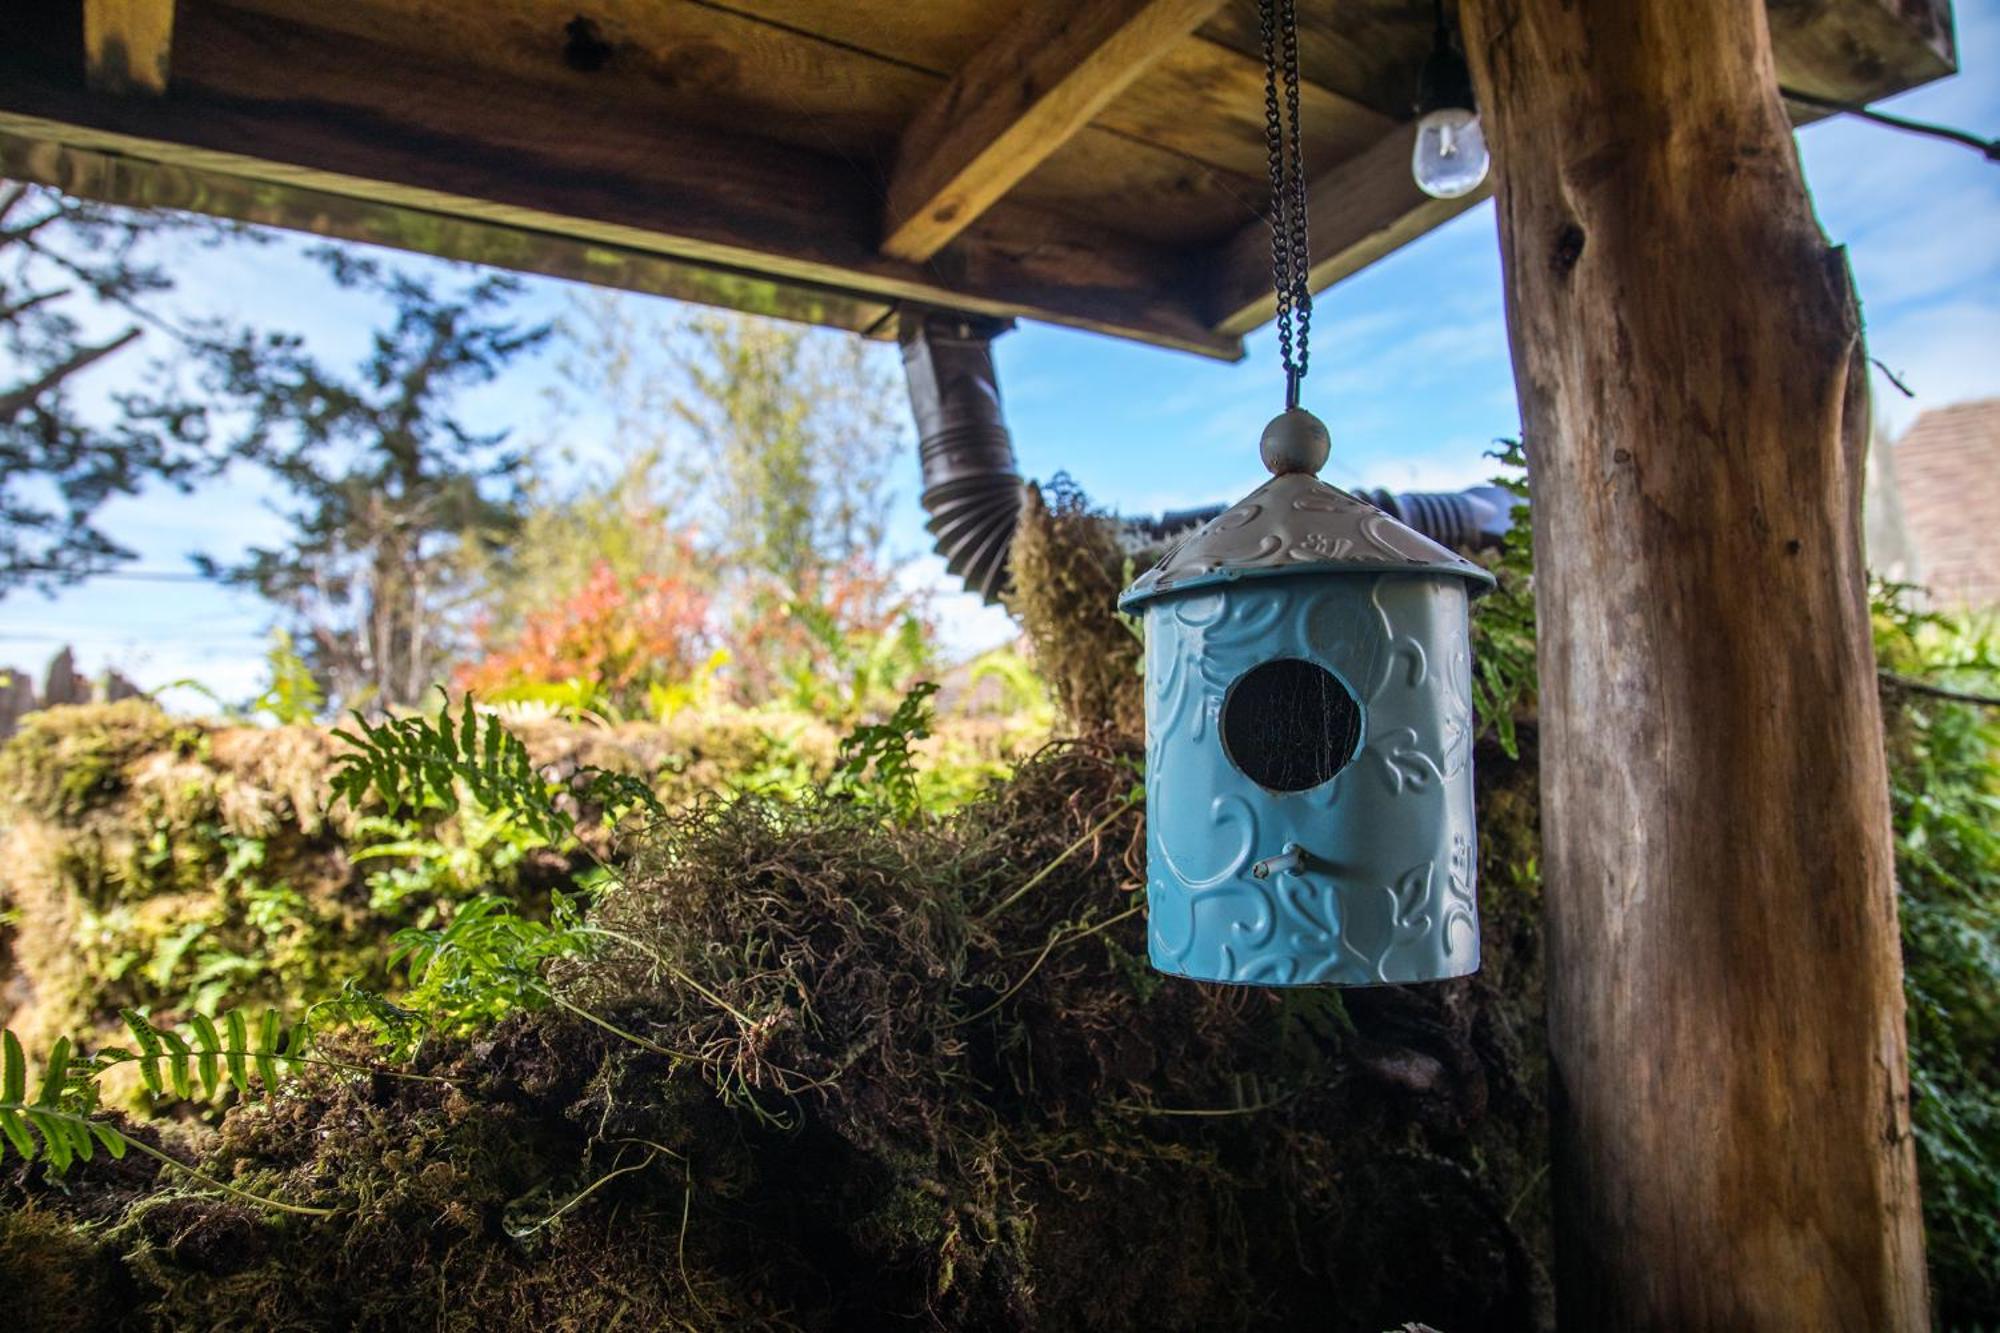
1730, 1099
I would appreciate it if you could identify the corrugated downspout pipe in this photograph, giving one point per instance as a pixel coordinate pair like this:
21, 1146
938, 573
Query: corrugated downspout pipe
972, 486
1469, 520
973, 489
1473, 519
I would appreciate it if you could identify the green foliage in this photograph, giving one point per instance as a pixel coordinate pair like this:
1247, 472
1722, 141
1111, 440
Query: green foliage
1944, 779
419, 863
65, 1113
66, 762
199, 1061
1023, 689
875, 765
416, 763
293, 694
65, 1128
394, 499
484, 964
1503, 621
796, 429
78, 285
848, 667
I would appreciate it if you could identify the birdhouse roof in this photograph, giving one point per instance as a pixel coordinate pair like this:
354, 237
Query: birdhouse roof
1297, 524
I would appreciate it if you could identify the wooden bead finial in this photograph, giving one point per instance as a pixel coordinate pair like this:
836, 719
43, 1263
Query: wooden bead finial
1295, 441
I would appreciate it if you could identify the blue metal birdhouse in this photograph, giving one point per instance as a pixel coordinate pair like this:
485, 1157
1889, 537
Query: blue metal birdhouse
1309, 740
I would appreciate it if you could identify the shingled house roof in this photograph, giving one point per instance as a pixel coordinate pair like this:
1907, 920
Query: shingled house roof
1948, 478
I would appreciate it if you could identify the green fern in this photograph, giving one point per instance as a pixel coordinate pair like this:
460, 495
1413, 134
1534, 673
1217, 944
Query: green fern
66, 1134
63, 1116
487, 961
202, 1059
874, 764
416, 763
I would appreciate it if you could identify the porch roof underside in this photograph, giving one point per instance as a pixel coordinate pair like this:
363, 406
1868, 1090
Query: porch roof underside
1096, 163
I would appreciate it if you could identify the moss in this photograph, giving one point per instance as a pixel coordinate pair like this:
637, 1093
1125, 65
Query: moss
909, 1092
1067, 572
164, 865
56, 1276
66, 761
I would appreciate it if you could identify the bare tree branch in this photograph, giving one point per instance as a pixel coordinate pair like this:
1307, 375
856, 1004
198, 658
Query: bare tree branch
1909, 686
13, 403
12, 312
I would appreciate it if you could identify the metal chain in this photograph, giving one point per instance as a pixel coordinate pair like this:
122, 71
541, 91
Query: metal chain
1290, 247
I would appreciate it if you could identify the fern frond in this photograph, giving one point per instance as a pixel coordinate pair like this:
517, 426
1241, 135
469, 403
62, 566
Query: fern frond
239, 1042
208, 1049
61, 1115
885, 748
619, 792
58, 1115
169, 1059
415, 762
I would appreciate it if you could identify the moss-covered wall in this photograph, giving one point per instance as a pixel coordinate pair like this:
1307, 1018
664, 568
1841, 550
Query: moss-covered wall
877, 1084
163, 864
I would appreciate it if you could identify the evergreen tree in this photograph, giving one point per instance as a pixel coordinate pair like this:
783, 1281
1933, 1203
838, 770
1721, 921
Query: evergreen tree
394, 499
78, 285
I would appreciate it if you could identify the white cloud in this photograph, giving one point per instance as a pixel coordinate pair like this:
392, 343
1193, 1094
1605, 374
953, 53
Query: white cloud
1445, 472
966, 626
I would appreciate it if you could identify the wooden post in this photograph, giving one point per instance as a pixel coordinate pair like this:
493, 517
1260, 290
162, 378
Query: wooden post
1732, 1140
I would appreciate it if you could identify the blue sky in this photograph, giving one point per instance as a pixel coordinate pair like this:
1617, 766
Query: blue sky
1410, 371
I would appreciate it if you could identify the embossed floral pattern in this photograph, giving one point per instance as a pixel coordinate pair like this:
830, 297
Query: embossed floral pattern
1291, 522
1384, 891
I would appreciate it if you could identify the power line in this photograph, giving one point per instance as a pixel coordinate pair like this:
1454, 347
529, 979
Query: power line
1989, 148
141, 575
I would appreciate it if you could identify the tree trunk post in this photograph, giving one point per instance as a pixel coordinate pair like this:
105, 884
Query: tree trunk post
1730, 1099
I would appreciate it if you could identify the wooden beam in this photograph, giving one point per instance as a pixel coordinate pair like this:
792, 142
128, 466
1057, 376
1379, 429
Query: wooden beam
136, 183
127, 45
1361, 210
1045, 77
1368, 206
269, 101
1200, 99
1730, 1108
1861, 50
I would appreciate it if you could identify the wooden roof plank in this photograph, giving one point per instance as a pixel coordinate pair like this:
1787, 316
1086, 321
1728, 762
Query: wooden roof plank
1860, 50
109, 177
1043, 79
751, 137
259, 99
127, 45
1362, 210
746, 73
1200, 98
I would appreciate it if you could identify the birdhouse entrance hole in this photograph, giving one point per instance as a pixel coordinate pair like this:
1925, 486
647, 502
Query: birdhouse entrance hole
1290, 725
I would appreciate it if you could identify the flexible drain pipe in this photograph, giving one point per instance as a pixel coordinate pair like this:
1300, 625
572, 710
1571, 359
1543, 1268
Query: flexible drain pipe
973, 488
972, 485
